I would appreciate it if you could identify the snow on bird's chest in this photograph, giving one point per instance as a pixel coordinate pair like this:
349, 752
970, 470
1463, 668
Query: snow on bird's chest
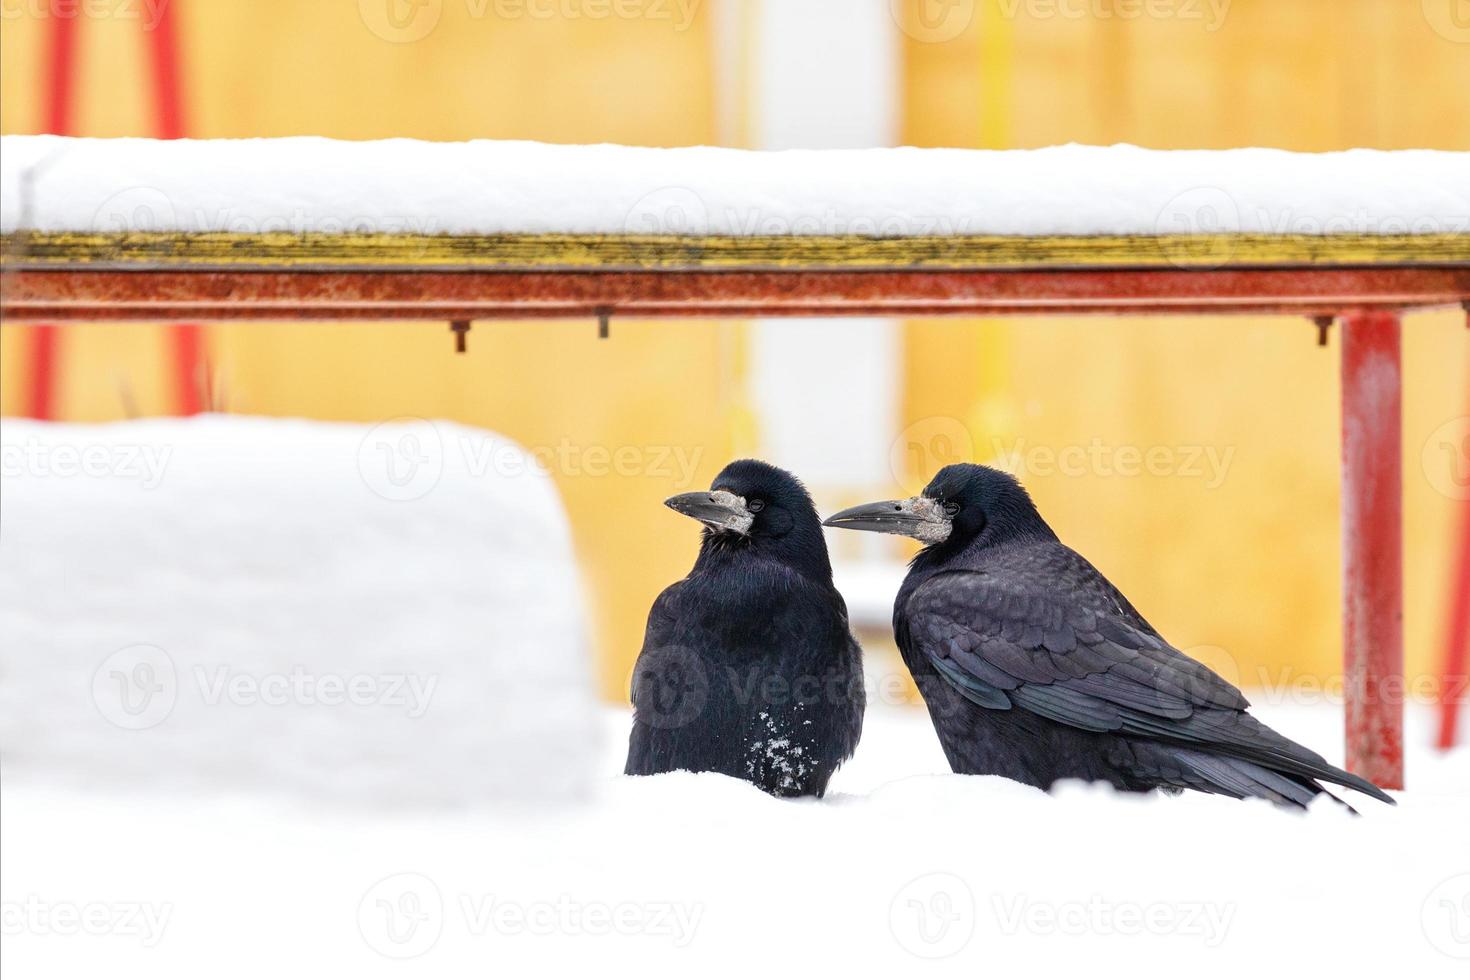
780, 750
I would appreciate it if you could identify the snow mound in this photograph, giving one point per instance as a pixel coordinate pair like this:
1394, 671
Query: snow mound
904, 870
387, 614
308, 184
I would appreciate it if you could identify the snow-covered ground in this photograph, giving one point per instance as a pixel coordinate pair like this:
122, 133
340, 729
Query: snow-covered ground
309, 184
903, 870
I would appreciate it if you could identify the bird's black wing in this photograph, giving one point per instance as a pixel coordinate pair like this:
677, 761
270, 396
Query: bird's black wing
1044, 643
669, 688
658, 631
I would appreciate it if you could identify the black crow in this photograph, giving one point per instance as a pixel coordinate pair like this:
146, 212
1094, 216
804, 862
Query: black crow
1034, 667
748, 667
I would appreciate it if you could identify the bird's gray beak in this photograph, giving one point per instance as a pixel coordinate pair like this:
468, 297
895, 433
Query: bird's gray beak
916, 517
719, 510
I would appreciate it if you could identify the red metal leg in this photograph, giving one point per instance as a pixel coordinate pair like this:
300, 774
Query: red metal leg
191, 382
1456, 672
60, 69
163, 41
41, 400
1454, 676
60, 75
1372, 546
186, 340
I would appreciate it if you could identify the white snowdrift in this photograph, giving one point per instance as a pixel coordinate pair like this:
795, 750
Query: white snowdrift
905, 871
308, 184
387, 614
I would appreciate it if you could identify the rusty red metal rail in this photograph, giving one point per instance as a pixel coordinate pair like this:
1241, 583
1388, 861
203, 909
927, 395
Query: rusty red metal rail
81, 293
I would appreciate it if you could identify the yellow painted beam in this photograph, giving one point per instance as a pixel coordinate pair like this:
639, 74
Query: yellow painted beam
283, 250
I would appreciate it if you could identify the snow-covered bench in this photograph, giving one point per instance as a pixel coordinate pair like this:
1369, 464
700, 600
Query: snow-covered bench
484, 204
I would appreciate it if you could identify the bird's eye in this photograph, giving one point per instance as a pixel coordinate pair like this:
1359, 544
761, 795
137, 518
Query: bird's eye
756, 506
951, 509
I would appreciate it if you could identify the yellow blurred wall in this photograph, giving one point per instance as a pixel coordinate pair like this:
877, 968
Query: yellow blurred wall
1244, 571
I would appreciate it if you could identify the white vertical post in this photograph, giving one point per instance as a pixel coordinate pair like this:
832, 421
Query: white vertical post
826, 75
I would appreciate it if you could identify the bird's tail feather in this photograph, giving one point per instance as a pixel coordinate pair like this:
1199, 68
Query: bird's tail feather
1245, 780
1238, 735
1285, 756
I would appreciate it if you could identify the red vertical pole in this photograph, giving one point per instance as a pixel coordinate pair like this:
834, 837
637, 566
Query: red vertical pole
59, 79
60, 69
186, 340
1372, 545
163, 39
1454, 676
187, 344
41, 399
